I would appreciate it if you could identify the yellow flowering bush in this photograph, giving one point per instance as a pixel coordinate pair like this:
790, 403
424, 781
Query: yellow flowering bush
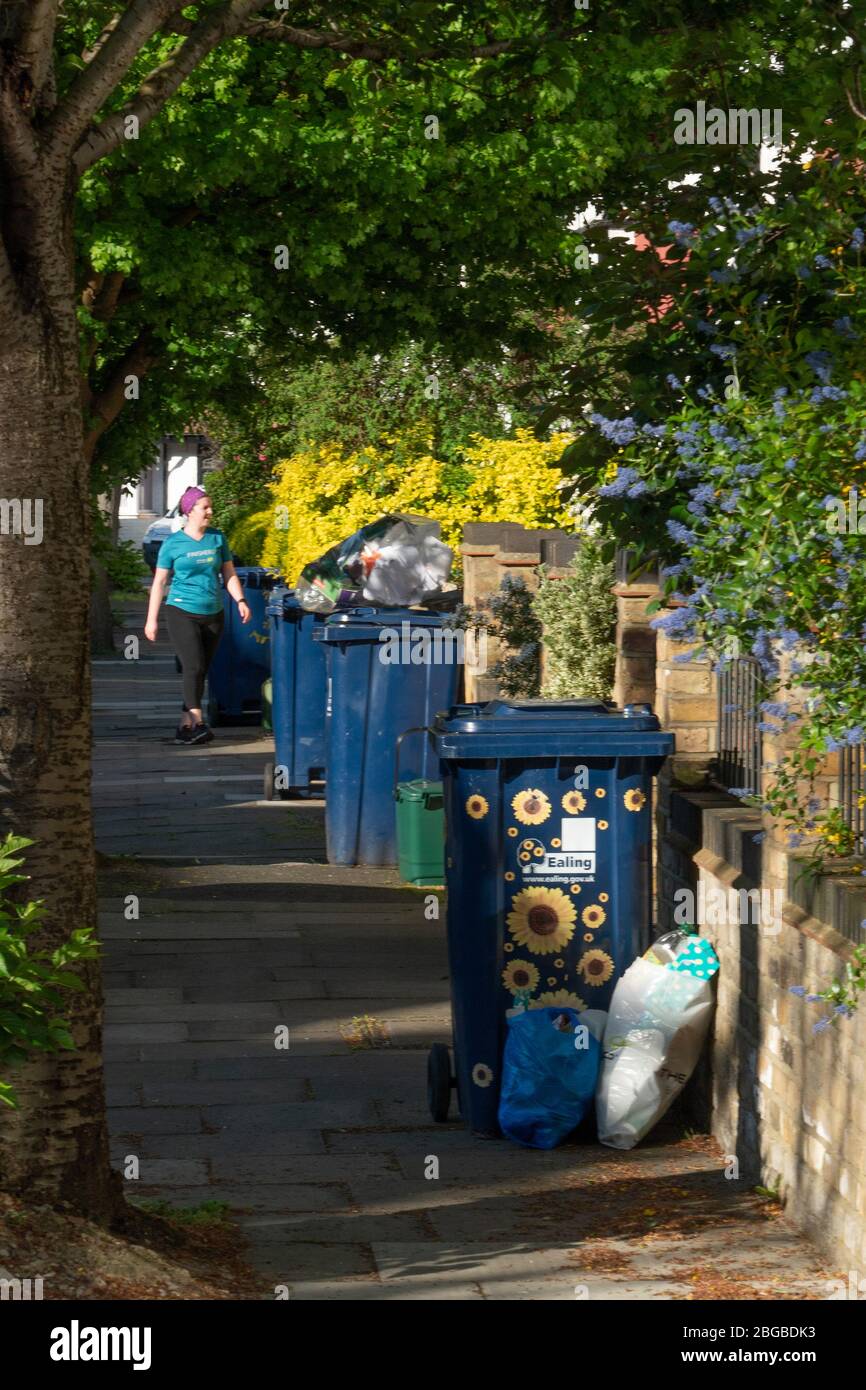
247, 536
322, 494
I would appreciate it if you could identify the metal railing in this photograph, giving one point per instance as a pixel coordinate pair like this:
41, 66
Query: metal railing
739, 758
852, 790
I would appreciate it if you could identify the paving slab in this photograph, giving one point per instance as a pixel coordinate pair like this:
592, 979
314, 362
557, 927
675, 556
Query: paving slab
245, 1093
176, 1173
301, 1168
289, 1200
227, 1143
331, 1228
289, 1262
179, 1119
141, 1032
259, 1012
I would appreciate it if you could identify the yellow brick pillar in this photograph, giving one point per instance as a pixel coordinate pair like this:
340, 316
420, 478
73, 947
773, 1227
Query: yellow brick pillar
635, 678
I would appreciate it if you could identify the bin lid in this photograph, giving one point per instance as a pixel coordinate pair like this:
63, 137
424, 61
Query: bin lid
419, 789
550, 728
281, 600
256, 576
365, 624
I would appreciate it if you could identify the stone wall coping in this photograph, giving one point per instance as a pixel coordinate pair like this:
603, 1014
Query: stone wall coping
640, 589
738, 820
518, 557
819, 931
792, 915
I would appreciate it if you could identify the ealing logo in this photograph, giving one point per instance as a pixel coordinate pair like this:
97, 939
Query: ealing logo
558, 862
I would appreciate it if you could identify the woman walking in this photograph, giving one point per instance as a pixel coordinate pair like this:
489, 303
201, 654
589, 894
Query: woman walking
193, 559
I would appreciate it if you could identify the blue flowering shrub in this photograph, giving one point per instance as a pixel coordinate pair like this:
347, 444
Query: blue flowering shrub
749, 490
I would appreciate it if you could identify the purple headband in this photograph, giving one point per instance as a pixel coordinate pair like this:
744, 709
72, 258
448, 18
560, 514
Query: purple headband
189, 499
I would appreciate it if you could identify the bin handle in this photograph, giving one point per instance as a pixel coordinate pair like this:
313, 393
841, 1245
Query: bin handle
416, 729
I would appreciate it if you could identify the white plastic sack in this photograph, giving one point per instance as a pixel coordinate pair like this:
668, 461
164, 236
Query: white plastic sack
403, 573
656, 1027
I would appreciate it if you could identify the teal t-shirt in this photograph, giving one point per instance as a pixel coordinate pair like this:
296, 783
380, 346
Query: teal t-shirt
195, 568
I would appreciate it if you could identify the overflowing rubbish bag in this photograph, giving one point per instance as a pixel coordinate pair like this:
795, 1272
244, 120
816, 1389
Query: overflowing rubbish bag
658, 1020
549, 1073
395, 562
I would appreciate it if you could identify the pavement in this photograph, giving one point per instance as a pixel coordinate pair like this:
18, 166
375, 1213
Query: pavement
268, 1018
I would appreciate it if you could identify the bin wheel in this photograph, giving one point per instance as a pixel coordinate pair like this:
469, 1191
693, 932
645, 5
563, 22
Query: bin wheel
213, 713
439, 1082
177, 666
269, 782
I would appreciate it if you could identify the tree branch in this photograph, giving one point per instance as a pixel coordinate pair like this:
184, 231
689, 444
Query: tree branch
35, 46
90, 53
101, 293
857, 106
114, 53
275, 29
164, 81
103, 407
18, 142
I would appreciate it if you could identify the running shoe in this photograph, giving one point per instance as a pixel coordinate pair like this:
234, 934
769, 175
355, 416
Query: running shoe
183, 733
201, 734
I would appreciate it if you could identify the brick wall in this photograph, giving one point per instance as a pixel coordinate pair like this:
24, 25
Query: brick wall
790, 1105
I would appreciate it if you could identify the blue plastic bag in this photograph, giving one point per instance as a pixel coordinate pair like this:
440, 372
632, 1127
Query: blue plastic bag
548, 1076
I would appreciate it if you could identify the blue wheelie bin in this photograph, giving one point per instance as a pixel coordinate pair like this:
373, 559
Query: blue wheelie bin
242, 661
389, 671
299, 693
548, 868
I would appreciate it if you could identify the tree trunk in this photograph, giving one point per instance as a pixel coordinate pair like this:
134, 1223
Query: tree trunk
55, 1147
116, 493
101, 616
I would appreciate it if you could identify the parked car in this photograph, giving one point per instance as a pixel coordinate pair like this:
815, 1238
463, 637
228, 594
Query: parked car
157, 532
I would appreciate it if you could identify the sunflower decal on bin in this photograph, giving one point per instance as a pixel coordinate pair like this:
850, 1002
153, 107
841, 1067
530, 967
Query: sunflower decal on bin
634, 799
573, 803
477, 806
530, 807
542, 920
596, 967
593, 916
553, 998
519, 976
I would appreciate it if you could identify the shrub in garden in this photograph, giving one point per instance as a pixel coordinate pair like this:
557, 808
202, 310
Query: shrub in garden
324, 494
247, 534
32, 982
516, 625
237, 491
123, 563
578, 615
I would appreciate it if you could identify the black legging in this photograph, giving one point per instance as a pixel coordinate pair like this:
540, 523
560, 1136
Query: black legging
195, 638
